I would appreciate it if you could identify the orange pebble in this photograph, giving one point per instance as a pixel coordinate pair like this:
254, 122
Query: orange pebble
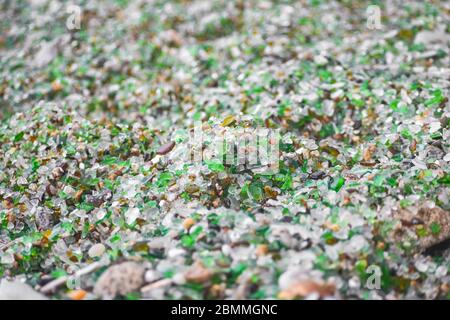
262, 250
77, 294
188, 223
56, 85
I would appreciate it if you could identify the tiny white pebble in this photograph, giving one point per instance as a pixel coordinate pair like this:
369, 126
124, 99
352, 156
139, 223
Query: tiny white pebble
435, 126
441, 271
131, 215
96, 250
320, 60
179, 279
151, 276
447, 157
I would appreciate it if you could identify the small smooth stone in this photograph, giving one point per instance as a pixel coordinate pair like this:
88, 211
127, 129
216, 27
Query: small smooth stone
96, 250
16, 290
166, 148
119, 280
